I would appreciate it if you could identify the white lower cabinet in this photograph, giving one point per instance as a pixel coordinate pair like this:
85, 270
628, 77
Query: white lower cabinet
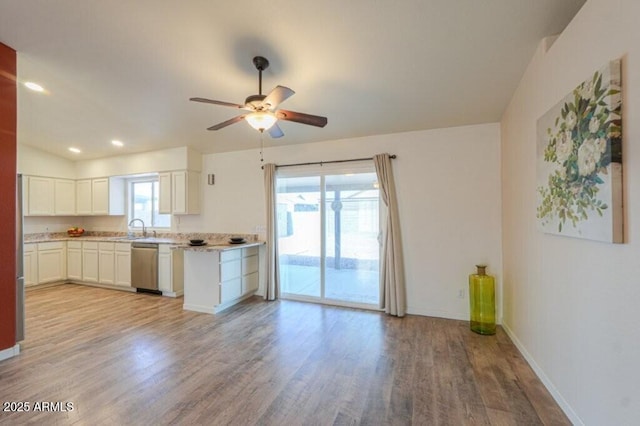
123, 264
250, 267
216, 280
90, 261
238, 273
74, 260
52, 262
106, 263
170, 271
30, 265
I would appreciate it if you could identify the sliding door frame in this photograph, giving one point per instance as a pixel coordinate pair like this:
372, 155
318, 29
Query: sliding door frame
322, 171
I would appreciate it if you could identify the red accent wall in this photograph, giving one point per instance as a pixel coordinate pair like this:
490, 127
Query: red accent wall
8, 140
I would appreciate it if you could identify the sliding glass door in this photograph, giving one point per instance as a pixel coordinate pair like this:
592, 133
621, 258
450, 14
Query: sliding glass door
328, 228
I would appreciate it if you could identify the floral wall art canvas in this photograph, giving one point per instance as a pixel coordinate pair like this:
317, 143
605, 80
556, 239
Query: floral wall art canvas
579, 161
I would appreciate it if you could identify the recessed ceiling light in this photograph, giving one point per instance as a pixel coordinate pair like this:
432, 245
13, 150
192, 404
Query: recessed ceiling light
34, 86
117, 143
75, 150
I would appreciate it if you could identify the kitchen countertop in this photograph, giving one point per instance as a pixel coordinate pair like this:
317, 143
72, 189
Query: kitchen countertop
213, 246
219, 243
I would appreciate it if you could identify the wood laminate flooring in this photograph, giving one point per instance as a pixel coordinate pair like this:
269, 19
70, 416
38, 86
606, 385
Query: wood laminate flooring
133, 359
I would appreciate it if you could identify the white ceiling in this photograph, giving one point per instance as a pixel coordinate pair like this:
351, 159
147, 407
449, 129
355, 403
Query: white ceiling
124, 69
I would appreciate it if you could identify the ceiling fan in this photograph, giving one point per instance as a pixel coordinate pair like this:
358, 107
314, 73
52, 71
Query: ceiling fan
263, 114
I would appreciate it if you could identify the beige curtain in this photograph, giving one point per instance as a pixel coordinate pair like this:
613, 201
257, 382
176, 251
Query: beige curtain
271, 290
392, 286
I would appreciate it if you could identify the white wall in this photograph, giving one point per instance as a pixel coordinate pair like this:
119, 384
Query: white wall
448, 182
570, 304
182, 158
32, 161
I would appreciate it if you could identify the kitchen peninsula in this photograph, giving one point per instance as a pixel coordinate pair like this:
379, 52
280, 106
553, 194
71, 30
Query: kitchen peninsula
217, 276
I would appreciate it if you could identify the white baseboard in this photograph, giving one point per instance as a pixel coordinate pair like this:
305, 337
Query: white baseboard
564, 405
198, 308
10, 352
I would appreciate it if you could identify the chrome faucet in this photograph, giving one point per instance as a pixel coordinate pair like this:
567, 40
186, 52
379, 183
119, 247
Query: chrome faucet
144, 229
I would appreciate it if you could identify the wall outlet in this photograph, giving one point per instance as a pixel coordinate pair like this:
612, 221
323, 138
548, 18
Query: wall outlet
461, 293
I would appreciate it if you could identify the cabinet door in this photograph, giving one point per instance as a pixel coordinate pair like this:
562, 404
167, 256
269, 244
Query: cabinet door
178, 192
90, 265
123, 268
83, 197
50, 266
74, 264
100, 196
164, 272
164, 196
250, 283
230, 290
106, 263
40, 196
30, 267
230, 270
64, 192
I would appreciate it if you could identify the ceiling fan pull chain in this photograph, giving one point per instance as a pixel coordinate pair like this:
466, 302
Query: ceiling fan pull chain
261, 147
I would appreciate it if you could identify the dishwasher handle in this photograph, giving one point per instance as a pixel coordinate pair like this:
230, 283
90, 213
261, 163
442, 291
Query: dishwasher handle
145, 245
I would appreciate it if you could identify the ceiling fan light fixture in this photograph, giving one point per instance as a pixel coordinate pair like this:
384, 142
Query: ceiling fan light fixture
261, 120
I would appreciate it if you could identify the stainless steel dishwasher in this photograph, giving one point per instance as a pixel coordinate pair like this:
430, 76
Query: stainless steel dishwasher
144, 266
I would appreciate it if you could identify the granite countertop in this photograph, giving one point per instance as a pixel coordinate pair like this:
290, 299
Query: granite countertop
216, 246
178, 241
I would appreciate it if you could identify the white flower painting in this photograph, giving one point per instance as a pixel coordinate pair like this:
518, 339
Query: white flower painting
579, 152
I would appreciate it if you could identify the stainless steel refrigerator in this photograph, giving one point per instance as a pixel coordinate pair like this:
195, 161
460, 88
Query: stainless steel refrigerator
19, 264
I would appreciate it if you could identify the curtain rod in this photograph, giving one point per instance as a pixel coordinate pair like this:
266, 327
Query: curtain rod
328, 162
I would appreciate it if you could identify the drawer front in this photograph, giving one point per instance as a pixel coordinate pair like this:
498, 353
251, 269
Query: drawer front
230, 290
250, 283
164, 248
249, 265
30, 248
230, 270
74, 244
123, 247
53, 245
90, 245
250, 251
106, 246
228, 255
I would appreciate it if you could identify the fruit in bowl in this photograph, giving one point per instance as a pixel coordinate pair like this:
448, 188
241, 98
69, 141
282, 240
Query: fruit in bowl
75, 231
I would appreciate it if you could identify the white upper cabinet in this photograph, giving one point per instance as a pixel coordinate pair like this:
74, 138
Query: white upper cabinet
64, 203
103, 196
83, 197
164, 197
179, 192
100, 196
40, 196
49, 196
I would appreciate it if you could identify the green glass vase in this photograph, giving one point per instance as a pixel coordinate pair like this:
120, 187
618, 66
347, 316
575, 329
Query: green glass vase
482, 298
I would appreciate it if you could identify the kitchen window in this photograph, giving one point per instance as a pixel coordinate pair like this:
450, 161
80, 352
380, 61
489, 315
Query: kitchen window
143, 203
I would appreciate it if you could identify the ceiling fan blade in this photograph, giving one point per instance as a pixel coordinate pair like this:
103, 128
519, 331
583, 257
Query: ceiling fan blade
277, 96
275, 131
227, 123
210, 101
299, 117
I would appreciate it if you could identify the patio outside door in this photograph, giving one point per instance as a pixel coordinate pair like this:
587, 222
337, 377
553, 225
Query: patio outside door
328, 229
